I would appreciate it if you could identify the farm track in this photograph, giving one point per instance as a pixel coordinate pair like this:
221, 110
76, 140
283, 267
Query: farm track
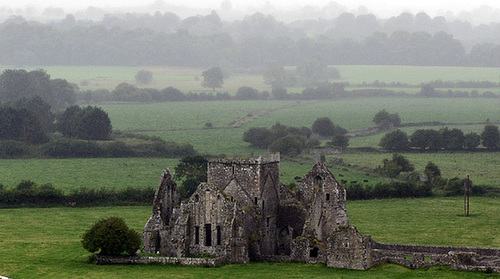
238, 123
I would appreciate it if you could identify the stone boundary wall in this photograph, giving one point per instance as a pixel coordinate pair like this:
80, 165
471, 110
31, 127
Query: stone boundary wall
159, 260
418, 256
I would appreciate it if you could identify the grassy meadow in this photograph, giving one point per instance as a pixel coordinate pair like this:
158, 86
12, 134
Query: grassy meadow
48, 245
189, 79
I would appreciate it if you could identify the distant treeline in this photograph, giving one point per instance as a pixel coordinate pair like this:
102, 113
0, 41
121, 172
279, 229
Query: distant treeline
75, 148
29, 194
125, 92
254, 42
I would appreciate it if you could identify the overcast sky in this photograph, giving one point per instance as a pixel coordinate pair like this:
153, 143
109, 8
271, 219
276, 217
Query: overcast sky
379, 7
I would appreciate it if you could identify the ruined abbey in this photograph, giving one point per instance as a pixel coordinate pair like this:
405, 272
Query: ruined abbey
243, 213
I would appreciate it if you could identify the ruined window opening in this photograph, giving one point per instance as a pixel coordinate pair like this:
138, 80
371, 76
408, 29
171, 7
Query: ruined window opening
232, 199
208, 235
196, 198
327, 197
318, 181
427, 259
408, 258
232, 171
263, 205
314, 252
219, 237
196, 235
218, 197
267, 221
255, 200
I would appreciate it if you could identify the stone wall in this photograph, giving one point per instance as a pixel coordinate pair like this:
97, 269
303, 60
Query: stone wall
159, 260
418, 256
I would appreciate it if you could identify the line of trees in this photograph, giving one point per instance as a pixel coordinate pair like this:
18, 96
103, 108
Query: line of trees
26, 43
443, 139
29, 194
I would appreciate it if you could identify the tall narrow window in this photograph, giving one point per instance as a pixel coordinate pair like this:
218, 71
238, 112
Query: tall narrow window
196, 235
219, 236
263, 204
319, 181
255, 200
208, 235
327, 197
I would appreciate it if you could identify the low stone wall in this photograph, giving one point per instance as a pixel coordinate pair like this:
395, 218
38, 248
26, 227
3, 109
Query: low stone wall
418, 256
159, 260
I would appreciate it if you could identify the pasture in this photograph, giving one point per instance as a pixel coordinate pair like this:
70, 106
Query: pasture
45, 242
189, 79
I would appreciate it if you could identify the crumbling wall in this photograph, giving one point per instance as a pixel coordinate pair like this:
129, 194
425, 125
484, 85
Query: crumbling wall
418, 256
349, 249
325, 199
167, 197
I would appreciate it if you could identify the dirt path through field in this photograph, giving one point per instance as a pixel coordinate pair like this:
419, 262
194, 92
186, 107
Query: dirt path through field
262, 112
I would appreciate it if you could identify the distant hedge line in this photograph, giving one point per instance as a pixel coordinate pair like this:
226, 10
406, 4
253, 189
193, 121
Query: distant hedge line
29, 194
73, 148
452, 187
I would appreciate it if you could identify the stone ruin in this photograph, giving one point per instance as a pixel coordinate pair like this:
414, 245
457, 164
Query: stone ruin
243, 213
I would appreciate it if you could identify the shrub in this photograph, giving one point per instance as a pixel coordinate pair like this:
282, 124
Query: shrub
111, 237
69, 148
10, 149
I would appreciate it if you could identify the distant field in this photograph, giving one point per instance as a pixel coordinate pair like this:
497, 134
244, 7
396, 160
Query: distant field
189, 79
45, 242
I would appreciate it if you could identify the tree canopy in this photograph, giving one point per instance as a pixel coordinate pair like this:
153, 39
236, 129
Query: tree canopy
89, 123
490, 137
111, 236
213, 78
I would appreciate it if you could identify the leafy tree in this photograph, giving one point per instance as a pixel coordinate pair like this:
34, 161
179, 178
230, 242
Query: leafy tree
258, 137
247, 93
39, 109
432, 171
278, 77
452, 139
213, 78
17, 84
144, 77
395, 140
21, 125
192, 170
403, 162
386, 120
94, 124
323, 126
339, 141
490, 137
398, 164
90, 123
111, 237
426, 139
472, 141
289, 145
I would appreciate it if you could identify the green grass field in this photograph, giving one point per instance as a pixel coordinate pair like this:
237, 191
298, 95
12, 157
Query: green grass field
189, 79
45, 242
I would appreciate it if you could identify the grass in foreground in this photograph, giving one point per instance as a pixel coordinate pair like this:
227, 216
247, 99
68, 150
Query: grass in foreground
45, 243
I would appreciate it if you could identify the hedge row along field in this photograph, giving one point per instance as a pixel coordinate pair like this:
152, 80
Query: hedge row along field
48, 245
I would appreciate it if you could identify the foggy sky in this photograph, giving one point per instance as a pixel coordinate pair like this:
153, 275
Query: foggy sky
381, 8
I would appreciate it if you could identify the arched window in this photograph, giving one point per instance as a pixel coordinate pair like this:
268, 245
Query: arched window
318, 181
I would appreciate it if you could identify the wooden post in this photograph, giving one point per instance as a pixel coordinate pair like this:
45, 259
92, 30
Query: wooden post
468, 194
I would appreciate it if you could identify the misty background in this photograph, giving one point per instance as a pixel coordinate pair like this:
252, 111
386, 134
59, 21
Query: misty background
250, 38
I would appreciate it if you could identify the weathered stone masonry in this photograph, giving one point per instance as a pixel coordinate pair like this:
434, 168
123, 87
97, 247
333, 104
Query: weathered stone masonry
244, 213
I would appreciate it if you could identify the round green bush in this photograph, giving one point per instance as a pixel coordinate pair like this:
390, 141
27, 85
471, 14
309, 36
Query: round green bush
111, 237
